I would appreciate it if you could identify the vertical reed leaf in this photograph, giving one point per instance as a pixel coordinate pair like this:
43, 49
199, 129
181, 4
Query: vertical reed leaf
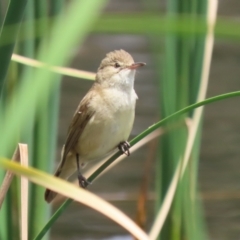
41, 130
179, 87
9, 32
46, 122
37, 95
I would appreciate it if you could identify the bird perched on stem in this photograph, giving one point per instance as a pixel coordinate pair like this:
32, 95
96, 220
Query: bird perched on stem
104, 118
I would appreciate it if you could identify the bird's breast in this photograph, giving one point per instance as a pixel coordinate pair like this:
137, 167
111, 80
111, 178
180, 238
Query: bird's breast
110, 125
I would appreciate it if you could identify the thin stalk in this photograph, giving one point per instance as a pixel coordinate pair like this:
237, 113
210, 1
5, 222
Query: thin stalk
59, 70
149, 130
80, 195
41, 131
23, 149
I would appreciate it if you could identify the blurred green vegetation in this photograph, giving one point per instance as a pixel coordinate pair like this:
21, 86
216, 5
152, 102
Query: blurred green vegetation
30, 97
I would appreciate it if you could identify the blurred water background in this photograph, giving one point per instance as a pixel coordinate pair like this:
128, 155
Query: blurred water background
219, 170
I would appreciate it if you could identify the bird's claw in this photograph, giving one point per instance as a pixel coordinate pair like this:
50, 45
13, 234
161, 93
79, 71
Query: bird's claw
124, 148
83, 182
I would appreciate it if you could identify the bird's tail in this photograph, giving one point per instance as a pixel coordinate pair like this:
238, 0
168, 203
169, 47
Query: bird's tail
64, 171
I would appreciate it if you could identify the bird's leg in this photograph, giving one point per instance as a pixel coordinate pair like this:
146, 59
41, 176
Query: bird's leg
124, 147
83, 182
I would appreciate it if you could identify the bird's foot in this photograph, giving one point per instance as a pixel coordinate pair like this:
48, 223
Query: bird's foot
124, 148
83, 182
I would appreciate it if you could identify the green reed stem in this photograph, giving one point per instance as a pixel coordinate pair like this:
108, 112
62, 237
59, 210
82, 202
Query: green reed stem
155, 126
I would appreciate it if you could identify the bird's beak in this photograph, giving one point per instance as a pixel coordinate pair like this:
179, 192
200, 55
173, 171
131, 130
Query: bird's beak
136, 65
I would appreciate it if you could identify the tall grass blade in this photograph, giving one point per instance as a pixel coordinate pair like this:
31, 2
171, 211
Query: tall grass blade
78, 194
14, 17
44, 133
30, 95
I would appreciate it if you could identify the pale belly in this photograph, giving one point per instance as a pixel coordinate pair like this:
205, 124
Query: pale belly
101, 136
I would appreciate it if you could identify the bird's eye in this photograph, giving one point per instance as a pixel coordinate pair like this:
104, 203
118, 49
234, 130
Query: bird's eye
116, 65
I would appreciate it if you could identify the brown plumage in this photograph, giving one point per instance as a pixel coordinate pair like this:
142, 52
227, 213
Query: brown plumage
103, 119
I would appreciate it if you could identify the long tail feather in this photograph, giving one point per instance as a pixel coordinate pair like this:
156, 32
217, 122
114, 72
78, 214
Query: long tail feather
64, 172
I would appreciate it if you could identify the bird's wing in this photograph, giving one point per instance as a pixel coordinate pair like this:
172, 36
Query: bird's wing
80, 119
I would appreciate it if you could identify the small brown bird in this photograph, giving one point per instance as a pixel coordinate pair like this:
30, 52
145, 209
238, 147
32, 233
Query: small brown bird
104, 118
